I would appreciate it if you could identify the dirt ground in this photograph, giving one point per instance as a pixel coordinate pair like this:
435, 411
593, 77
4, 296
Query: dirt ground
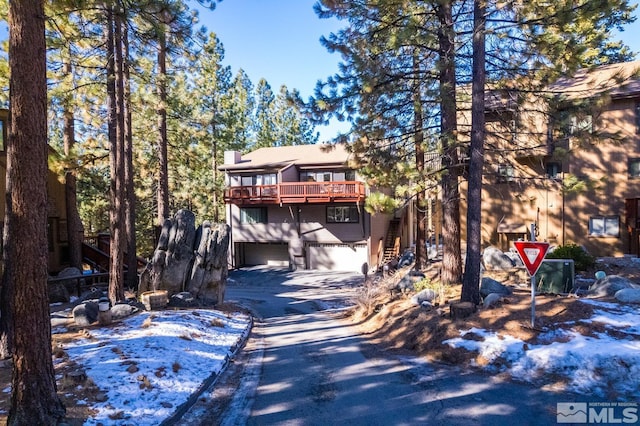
391, 323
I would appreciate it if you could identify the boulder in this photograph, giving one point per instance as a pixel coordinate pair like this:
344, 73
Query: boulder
610, 285
407, 258
628, 295
123, 310
85, 313
489, 285
407, 283
190, 260
494, 258
58, 293
209, 271
515, 257
183, 300
426, 295
491, 299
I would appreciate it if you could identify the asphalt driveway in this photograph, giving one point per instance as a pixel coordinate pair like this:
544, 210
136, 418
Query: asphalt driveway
307, 366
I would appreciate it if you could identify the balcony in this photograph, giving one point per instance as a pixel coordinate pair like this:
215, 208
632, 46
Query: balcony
296, 193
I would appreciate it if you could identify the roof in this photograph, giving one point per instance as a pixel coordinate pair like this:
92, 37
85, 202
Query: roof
619, 80
298, 155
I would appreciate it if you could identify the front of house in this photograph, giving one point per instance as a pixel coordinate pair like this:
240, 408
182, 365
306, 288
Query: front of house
300, 207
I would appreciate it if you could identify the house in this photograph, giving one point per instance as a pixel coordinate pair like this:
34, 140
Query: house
302, 207
570, 164
56, 209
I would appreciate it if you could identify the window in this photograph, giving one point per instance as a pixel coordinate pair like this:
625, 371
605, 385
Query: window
264, 179
324, 176
634, 167
637, 110
604, 226
342, 214
554, 170
505, 173
581, 123
253, 215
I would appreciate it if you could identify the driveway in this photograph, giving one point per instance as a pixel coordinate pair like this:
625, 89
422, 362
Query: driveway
307, 366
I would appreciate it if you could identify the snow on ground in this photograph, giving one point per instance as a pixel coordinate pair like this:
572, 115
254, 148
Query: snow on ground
597, 364
149, 364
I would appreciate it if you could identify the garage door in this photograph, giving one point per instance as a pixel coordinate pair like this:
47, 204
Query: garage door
336, 257
272, 254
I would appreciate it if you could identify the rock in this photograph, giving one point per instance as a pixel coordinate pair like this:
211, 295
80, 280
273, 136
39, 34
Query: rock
494, 258
58, 293
491, 299
628, 295
515, 257
209, 271
406, 259
187, 259
426, 295
407, 283
93, 294
183, 300
489, 285
610, 285
427, 305
123, 310
60, 290
85, 313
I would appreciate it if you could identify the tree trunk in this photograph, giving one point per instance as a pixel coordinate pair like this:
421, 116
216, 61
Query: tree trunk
75, 230
163, 175
418, 136
471, 283
130, 199
34, 400
116, 158
214, 160
452, 256
6, 292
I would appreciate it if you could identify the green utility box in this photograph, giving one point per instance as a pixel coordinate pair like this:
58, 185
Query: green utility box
555, 276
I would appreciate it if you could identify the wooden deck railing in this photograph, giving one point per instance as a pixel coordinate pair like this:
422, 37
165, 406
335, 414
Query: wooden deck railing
296, 192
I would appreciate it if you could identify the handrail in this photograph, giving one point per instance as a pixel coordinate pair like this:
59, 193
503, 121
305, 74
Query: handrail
285, 191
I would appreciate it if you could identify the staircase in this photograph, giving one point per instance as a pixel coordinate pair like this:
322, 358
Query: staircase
392, 241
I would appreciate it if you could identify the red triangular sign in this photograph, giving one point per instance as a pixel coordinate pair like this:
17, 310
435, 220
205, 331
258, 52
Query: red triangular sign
532, 253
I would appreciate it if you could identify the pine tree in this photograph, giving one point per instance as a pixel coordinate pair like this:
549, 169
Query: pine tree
34, 399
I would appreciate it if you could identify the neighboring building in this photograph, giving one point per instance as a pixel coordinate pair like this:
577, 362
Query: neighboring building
570, 165
302, 207
56, 209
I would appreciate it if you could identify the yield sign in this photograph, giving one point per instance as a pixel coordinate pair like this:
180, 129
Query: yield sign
532, 253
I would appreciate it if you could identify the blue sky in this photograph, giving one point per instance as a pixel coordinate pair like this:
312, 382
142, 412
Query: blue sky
279, 40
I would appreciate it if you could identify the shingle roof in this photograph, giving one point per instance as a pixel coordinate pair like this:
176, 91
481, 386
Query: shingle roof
299, 155
621, 79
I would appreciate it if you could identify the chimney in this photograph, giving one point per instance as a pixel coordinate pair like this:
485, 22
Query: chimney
232, 157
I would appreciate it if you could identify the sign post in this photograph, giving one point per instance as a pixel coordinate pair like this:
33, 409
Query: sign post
532, 254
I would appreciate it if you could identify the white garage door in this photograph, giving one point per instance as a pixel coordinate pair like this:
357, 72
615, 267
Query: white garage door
272, 254
336, 257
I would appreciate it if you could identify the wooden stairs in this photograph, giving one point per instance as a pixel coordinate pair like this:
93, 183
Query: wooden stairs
392, 241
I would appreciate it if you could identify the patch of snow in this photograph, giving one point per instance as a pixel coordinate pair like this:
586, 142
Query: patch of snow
151, 363
596, 364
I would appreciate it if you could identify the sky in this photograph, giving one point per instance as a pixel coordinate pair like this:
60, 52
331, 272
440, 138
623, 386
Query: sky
279, 40
149, 364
